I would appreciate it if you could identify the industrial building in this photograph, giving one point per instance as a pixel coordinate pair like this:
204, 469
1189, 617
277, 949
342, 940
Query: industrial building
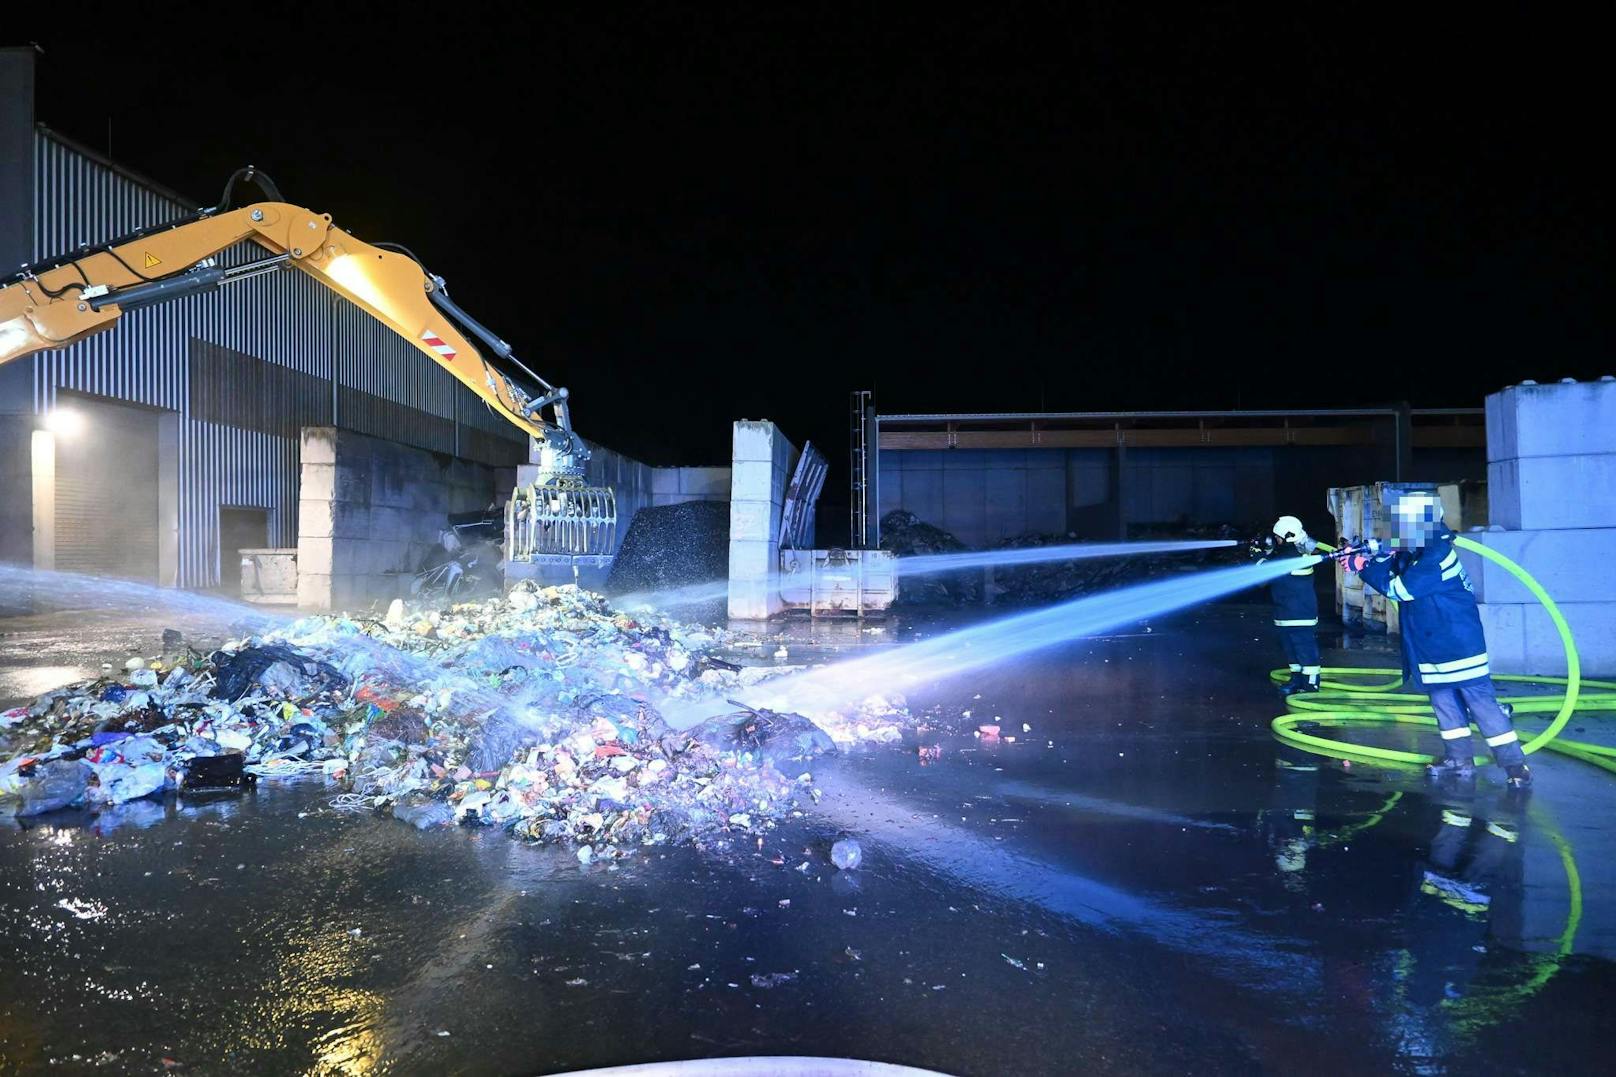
990, 477
156, 451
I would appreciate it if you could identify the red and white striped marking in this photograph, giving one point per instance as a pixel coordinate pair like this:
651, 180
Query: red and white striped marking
437, 344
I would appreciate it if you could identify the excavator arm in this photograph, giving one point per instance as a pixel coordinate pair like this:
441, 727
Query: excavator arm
59, 302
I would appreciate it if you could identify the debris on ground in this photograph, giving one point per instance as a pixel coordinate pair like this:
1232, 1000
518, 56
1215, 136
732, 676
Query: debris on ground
846, 854
535, 711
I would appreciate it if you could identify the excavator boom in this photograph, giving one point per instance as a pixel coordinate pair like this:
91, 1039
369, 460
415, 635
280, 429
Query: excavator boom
60, 302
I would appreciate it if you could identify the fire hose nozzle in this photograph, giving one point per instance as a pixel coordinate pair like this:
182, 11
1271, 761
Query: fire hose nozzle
1346, 549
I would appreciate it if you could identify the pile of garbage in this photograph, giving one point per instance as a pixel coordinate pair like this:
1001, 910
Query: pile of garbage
907, 535
672, 546
535, 711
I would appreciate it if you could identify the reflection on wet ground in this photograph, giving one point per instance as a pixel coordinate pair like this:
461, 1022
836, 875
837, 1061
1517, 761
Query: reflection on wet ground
1141, 882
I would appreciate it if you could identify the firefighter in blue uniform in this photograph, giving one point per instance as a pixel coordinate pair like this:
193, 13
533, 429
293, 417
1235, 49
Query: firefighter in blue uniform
1296, 603
1444, 648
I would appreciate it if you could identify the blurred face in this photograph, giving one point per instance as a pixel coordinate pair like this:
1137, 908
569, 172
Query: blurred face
1415, 519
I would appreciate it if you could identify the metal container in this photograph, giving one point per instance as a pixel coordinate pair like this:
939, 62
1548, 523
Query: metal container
269, 576
1363, 512
854, 583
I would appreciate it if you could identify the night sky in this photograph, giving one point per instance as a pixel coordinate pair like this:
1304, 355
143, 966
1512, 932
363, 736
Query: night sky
689, 216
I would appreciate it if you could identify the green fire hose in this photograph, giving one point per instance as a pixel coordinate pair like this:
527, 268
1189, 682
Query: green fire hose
1343, 703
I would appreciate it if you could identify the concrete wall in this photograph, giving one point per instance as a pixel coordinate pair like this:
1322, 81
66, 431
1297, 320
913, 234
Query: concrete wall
986, 495
673, 485
369, 509
761, 469
1551, 468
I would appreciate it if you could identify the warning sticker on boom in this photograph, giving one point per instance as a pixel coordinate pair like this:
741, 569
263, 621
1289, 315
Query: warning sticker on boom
152, 260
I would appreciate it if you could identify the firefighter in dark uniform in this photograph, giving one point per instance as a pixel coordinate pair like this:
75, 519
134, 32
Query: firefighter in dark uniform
1296, 603
1444, 648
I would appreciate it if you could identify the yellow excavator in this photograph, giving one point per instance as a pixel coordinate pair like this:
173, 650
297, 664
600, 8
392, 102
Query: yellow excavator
63, 300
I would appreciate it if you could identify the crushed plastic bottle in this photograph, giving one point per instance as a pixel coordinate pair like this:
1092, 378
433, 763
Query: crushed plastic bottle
846, 854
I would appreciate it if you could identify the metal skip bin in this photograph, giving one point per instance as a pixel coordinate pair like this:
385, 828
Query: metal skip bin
838, 582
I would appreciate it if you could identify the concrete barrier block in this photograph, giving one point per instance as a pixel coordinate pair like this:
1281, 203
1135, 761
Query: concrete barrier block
754, 440
1571, 564
317, 482
1593, 627
315, 519
313, 591
751, 520
1559, 419
1537, 648
753, 600
751, 559
314, 556
318, 445
752, 480
1504, 625
1548, 492
665, 480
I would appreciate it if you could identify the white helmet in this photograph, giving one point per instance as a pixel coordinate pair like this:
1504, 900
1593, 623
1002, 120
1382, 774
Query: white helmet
1290, 529
1417, 516
1417, 506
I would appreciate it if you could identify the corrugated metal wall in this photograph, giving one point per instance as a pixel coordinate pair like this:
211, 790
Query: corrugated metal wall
238, 445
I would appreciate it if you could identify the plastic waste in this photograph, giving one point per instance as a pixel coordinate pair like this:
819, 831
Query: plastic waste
424, 815
51, 786
846, 854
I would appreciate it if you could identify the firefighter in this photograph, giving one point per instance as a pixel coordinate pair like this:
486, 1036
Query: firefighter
1444, 648
1296, 603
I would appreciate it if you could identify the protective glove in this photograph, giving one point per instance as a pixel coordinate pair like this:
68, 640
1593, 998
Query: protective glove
1355, 562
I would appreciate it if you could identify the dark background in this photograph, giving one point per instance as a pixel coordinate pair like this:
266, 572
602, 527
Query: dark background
693, 214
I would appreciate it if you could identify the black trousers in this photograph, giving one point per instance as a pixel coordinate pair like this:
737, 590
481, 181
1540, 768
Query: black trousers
1301, 648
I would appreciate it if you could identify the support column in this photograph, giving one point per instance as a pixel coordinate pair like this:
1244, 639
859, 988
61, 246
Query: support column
761, 465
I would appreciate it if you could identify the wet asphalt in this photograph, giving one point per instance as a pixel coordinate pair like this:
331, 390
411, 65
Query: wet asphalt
1142, 882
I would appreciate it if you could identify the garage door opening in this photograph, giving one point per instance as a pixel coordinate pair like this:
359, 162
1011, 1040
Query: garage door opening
239, 529
106, 489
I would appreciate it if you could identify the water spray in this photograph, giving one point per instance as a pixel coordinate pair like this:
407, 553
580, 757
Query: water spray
79, 591
931, 564
829, 687
927, 564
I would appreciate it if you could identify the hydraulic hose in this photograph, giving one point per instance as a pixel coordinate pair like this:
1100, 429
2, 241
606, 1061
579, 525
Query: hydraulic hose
1347, 703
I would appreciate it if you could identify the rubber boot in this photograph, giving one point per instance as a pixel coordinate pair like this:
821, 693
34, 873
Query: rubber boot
1309, 682
1453, 766
1518, 776
1297, 683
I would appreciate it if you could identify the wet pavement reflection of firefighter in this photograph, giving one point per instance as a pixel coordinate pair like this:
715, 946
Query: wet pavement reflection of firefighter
1467, 893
